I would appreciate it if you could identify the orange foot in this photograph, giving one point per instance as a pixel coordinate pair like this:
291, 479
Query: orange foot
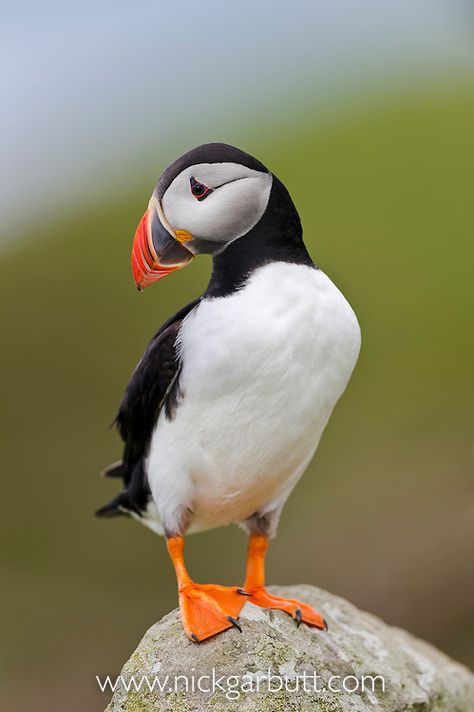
301, 612
207, 609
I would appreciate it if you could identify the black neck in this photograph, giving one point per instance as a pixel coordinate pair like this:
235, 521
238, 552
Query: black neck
277, 237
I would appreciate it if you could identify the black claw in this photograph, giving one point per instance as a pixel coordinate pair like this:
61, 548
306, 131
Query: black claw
298, 617
242, 592
235, 623
195, 638
326, 627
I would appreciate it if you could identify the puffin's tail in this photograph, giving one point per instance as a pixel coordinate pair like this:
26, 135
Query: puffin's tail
119, 505
133, 498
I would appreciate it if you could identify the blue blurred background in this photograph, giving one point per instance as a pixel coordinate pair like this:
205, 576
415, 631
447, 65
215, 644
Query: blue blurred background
365, 110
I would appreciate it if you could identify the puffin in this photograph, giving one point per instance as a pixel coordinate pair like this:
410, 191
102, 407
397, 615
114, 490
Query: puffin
227, 406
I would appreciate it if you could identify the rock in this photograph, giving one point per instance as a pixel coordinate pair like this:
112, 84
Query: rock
401, 672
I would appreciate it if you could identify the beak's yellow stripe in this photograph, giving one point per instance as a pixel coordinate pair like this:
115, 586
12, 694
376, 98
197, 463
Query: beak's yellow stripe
183, 235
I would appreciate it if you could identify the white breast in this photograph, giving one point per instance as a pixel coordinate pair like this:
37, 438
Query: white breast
262, 371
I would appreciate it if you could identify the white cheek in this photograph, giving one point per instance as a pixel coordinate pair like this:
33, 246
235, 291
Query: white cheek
228, 212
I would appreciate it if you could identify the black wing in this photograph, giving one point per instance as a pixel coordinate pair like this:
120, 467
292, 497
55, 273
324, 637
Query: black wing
154, 385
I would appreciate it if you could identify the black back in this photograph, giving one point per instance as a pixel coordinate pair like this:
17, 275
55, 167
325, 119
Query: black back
154, 385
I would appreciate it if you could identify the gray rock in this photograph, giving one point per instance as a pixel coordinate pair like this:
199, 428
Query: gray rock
409, 674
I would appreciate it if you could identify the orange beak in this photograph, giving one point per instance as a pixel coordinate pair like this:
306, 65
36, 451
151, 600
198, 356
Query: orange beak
155, 252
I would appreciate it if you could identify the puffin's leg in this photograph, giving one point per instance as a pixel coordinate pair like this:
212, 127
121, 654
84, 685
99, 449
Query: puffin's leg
255, 585
206, 609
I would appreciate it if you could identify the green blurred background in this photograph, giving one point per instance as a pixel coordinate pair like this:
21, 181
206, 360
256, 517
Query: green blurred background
381, 173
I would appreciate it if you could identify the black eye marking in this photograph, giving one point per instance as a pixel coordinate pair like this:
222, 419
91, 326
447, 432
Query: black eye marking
199, 190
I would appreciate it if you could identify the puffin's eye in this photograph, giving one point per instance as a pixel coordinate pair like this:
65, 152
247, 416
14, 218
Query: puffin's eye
199, 190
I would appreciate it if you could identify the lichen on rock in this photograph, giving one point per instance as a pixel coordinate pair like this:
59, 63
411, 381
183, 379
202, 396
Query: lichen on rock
368, 664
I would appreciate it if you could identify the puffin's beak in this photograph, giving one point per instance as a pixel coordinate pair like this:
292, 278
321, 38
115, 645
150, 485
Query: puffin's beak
155, 252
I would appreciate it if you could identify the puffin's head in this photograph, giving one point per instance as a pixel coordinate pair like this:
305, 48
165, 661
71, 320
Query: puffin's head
205, 200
